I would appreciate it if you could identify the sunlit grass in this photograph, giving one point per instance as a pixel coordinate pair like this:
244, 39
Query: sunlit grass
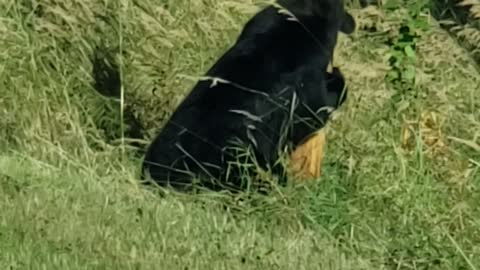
399, 188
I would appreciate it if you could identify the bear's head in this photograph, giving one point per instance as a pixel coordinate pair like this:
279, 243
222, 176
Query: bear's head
331, 11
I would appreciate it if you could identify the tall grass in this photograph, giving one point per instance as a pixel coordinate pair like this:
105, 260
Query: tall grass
399, 188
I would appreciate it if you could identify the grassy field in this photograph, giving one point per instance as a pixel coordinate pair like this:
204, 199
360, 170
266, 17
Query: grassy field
400, 184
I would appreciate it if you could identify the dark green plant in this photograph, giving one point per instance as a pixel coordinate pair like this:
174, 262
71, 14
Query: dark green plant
401, 76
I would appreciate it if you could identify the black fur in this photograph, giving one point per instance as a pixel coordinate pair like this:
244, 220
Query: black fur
272, 84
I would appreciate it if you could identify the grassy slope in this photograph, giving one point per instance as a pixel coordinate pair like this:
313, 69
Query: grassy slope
384, 202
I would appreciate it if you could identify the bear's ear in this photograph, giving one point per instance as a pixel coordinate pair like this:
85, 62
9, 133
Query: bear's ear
348, 24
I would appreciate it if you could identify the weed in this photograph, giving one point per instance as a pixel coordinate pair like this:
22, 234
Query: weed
403, 58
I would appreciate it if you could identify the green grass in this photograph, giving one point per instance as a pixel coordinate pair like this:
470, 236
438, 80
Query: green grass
70, 200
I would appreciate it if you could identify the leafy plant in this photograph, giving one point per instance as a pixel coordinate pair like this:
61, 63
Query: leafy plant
402, 44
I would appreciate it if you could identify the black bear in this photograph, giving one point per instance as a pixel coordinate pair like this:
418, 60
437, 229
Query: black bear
269, 91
